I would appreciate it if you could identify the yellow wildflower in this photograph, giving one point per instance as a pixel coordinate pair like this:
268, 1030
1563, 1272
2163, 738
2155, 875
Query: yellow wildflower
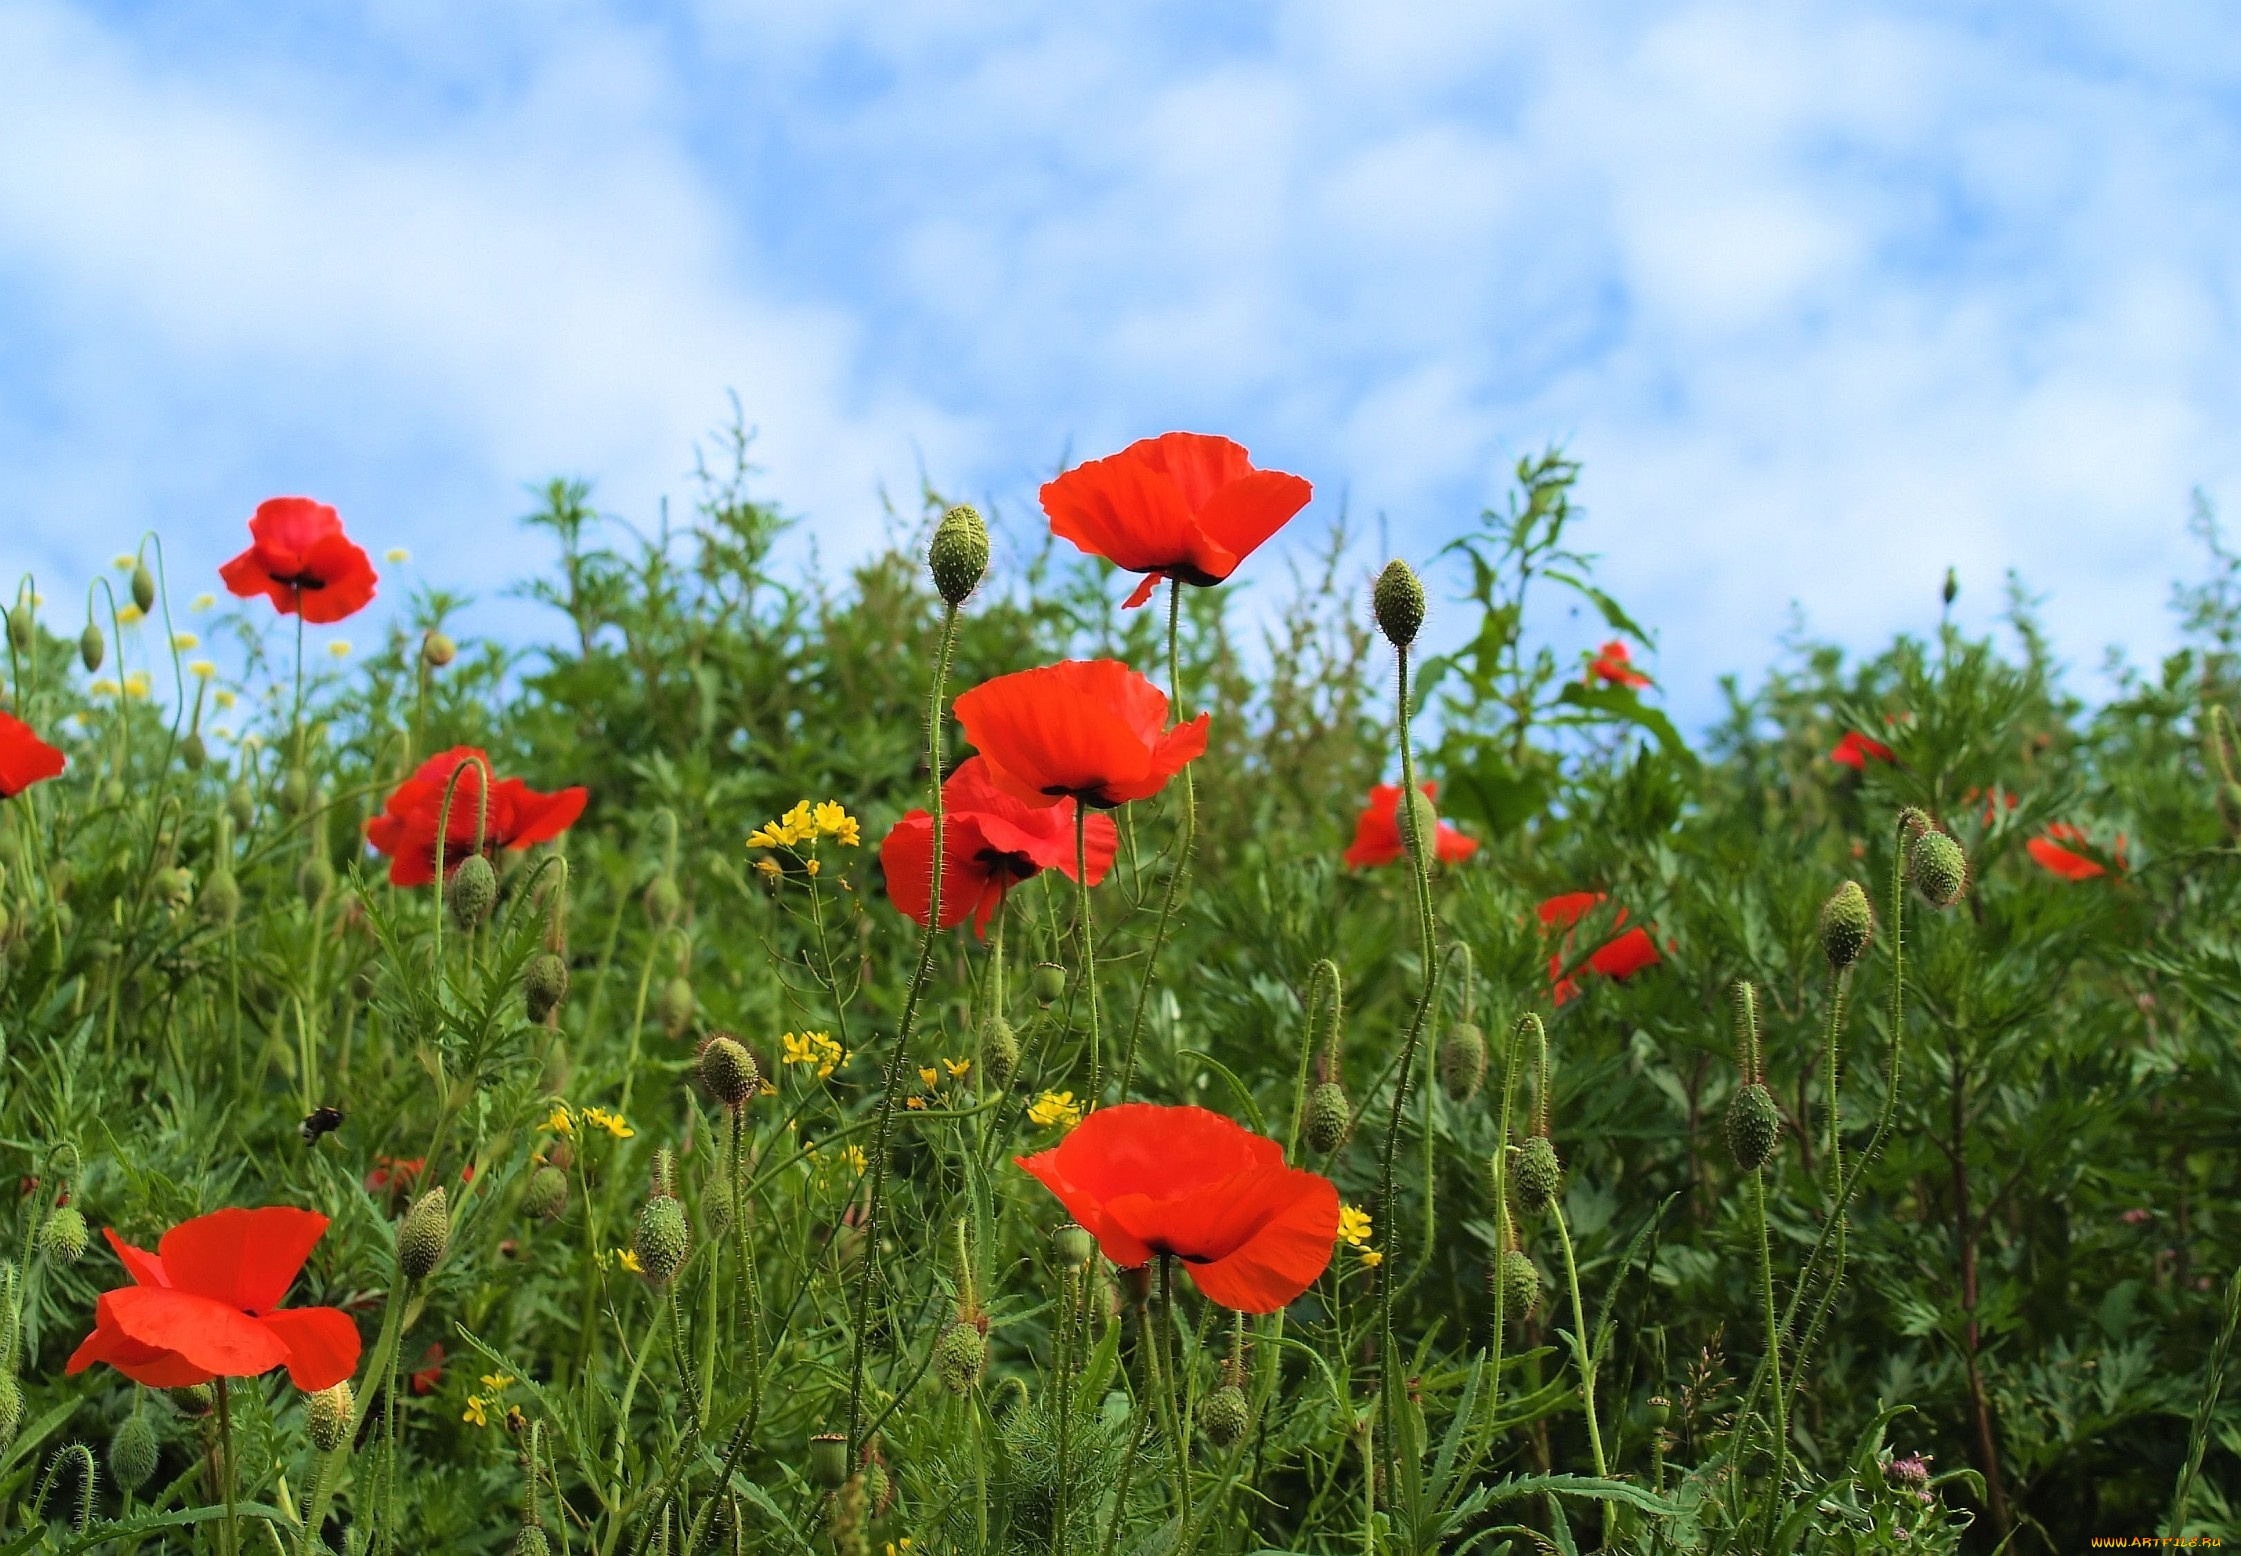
123, 561
767, 866
1371, 1258
105, 688
339, 648
185, 642
816, 1048
137, 684
915, 1104
854, 1157
812, 867
834, 821
225, 699
130, 615
930, 1075
600, 1118
959, 1068
1353, 1225
473, 1414
396, 554
497, 1382
628, 1259
202, 602
561, 1123
202, 669
221, 731
1056, 1108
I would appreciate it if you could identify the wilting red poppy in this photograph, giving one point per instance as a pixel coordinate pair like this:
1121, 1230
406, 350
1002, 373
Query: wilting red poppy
300, 559
1092, 729
1377, 830
1614, 666
206, 1305
2065, 862
1620, 957
1855, 749
1143, 1179
1182, 505
991, 841
519, 816
25, 759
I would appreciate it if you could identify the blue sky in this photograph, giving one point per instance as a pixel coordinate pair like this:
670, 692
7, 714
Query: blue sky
1825, 298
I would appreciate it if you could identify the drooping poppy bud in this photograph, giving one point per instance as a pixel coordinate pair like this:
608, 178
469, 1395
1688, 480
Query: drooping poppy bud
63, 1236
472, 892
295, 791
326, 1416
544, 984
727, 1069
92, 648
662, 1240
1938, 867
1398, 601
999, 1052
1847, 925
547, 1194
423, 1234
959, 555
1539, 1176
194, 752
1520, 1281
20, 628
1462, 1061
676, 1005
221, 897
1225, 1416
961, 1356
133, 1451
11, 1408
663, 900
1328, 1115
143, 587
532, 1542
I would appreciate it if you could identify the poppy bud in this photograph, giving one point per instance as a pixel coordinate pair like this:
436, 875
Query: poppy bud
676, 1005
193, 752
828, 1459
63, 1161
1224, 1416
1050, 983
1074, 1245
1939, 869
472, 892
1754, 1126
437, 650
241, 804
532, 1542
326, 1416
1538, 1174
715, 1208
662, 1240
999, 1052
143, 587
663, 901
92, 648
1847, 925
959, 554
1328, 1116
295, 791
544, 984
174, 886
1462, 1061
11, 1407
1399, 603
1952, 589
665, 1173
62, 1238
19, 627
421, 1236
133, 1451
961, 1356
547, 1194
728, 1070
221, 897
1520, 1280
316, 878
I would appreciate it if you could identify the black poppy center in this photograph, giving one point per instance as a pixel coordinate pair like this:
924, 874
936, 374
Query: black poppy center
996, 862
300, 581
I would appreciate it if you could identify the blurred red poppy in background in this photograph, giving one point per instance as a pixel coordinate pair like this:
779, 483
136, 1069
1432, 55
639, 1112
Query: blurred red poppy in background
206, 1305
1146, 1179
1377, 830
2056, 859
1092, 729
25, 759
1620, 957
300, 559
1614, 666
991, 841
1182, 505
430, 1377
1855, 749
519, 816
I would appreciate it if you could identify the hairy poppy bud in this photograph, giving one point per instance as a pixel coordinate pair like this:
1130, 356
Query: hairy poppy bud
437, 649
193, 752
63, 1161
1538, 1174
421, 1236
728, 1070
1225, 1416
241, 804
295, 791
472, 892
677, 1005
1074, 1245
662, 1240
828, 1460
317, 877
547, 1194
11, 1407
143, 587
999, 1052
960, 1356
1847, 925
1754, 1126
1520, 1282
544, 984
221, 897
62, 1237
133, 1451
174, 886
1327, 1118
1398, 601
1050, 983
1462, 1061
1939, 869
959, 554
532, 1542
326, 1416
19, 627
92, 648
663, 900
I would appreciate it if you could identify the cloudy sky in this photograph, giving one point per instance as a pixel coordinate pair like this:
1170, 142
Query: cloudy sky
1826, 298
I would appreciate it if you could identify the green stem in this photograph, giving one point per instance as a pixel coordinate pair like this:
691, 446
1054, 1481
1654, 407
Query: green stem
1177, 1427
1088, 924
1584, 1361
1773, 1340
225, 1466
1183, 846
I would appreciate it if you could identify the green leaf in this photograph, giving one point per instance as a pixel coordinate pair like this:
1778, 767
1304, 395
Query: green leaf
1594, 1488
1236, 1086
1623, 704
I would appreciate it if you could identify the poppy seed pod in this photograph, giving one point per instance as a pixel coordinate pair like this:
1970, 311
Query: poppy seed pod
472, 892
828, 1460
1225, 1416
143, 587
437, 649
1398, 601
999, 1052
1939, 869
544, 984
133, 1451
1049, 981
1462, 1061
62, 1238
532, 1542
92, 648
1847, 925
1539, 1176
677, 1005
547, 1194
728, 1070
1074, 1245
662, 1240
1754, 1127
959, 554
663, 900
1520, 1281
1328, 1116
423, 1234
961, 1356
326, 1416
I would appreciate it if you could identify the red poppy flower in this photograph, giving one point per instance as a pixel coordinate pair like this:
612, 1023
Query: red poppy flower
301, 560
1620, 957
1144, 1179
1855, 749
2065, 862
991, 841
25, 759
206, 1305
1614, 666
1090, 728
1183, 505
430, 1377
1626, 956
390, 1171
1377, 830
519, 816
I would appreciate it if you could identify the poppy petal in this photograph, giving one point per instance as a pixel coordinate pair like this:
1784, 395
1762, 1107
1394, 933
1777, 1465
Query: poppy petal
25, 759
1247, 511
1627, 955
209, 1334
1452, 845
145, 1268
1086, 1208
1286, 1255
1124, 510
322, 1344
149, 1364
245, 1259
1200, 464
